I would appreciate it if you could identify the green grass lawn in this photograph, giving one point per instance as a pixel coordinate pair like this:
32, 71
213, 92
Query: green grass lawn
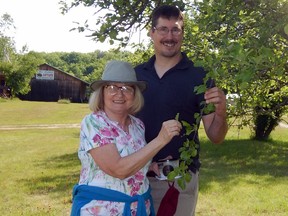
38, 167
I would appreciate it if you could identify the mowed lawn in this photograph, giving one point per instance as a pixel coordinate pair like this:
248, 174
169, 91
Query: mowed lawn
38, 167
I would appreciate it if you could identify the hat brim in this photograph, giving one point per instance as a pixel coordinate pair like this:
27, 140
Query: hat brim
98, 83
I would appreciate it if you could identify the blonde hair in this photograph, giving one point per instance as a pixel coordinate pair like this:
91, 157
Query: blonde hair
96, 100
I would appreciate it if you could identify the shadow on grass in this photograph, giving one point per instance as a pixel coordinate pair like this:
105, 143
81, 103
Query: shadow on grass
224, 163
234, 159
58, 176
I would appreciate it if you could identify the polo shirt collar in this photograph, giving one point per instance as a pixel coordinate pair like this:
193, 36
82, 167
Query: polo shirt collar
183, 64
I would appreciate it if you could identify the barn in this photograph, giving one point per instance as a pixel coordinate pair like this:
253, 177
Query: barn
5, 91
52, 84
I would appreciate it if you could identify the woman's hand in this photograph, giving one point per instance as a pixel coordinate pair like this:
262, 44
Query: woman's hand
168, 130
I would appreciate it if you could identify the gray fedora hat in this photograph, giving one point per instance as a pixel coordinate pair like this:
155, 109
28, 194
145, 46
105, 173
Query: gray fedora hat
118, 71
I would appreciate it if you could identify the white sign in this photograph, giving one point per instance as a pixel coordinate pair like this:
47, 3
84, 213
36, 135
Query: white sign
45, 75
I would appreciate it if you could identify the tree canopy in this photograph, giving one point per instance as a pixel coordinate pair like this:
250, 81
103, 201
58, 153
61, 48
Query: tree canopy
245, 45
115, 20
242, 43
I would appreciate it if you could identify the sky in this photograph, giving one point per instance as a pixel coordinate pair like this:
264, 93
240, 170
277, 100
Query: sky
41, 26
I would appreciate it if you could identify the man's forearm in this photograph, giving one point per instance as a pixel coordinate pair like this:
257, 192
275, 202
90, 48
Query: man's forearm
218, 129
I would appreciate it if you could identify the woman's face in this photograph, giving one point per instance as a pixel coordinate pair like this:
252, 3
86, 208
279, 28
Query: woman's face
118, 98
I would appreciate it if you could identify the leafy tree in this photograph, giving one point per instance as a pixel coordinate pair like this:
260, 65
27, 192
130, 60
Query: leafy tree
86, 66
243, 43
18, 69
116, 20
6, 42
20, 72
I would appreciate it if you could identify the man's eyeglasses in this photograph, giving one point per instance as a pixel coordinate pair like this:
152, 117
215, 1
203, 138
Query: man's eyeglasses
113, 89
164, 30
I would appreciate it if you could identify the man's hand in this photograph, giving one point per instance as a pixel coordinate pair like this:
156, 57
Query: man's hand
218, 98
154, 166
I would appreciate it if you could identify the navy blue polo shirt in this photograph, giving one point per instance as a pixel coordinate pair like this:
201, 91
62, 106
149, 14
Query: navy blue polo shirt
165, 97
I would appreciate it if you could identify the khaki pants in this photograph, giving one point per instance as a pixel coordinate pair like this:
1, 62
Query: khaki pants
187, 198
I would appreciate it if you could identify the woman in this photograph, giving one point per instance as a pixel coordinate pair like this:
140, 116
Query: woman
113, 151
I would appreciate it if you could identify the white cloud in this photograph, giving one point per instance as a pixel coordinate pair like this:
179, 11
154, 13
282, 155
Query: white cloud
41, 26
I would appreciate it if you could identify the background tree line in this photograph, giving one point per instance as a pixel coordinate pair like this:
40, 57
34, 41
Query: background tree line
242, 43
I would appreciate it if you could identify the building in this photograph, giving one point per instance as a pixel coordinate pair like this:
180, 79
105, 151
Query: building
4, 89
52, 84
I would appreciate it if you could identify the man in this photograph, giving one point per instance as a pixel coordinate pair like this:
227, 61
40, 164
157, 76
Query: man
171, 78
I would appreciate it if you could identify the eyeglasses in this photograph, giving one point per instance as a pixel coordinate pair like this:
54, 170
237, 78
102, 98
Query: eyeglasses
126, 90
163, 30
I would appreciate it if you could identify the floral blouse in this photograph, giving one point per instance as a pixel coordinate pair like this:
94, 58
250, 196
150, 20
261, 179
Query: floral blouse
98, 130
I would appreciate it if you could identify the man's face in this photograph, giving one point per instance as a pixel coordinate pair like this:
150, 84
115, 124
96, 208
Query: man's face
167, 37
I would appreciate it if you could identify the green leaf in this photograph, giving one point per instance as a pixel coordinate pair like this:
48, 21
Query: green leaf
177, 117
187, 127
197, 115
171, 176
195, 28
188, 177
181, 183
286, 29
200, 89
209, 108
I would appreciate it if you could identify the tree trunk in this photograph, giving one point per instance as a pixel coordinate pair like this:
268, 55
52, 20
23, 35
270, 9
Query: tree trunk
265, 123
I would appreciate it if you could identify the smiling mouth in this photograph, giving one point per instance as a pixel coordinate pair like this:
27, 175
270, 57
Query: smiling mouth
169, 44
119, 101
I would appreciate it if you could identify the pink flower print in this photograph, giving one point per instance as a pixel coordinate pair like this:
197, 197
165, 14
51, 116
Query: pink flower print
105, 141
135, 146
133, 212
136, 188
83, 173
102, 141
139, 176
131, 181
114, 211
94, 210
109, 132
96, 138
114, 132
129, 136
135, 185
105, 132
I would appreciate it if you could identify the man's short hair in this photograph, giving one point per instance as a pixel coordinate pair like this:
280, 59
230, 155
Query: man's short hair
167, 12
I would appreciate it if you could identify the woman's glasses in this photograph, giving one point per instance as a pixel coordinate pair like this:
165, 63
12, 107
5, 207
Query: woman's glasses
126, 90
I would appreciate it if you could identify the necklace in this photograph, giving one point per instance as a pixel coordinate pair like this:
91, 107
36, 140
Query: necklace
124, 127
